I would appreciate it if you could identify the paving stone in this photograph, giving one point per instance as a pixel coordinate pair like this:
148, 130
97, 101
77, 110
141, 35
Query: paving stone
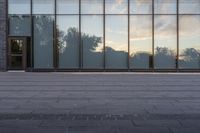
157, 123
41, 130
20, 123
92, 130
54, 123
7, 130
185, 130
190, 123
99, 102
145, 130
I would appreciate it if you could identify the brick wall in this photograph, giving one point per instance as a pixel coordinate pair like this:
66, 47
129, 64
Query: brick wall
2, 35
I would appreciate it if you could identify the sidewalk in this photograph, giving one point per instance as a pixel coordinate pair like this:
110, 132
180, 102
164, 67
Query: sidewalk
99, 103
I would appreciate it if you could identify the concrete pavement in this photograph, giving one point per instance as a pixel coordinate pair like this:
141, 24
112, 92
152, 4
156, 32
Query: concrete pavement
99, 102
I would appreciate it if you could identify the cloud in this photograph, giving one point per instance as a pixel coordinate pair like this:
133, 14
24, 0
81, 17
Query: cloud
117, 46
189, 25
119, 6
165, 26
140, 27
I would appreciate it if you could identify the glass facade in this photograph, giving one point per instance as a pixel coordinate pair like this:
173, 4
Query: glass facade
109, 34
68, 41
92, 41
43, 41
140, 41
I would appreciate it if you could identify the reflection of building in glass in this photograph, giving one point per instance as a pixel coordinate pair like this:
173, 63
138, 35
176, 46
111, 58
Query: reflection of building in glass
104, 34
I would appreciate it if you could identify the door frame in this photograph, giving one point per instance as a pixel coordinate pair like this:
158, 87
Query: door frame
24, 53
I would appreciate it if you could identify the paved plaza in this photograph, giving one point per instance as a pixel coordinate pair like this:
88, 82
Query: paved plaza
99, 102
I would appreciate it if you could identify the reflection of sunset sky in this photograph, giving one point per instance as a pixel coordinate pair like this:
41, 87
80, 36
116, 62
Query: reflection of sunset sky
140, 7
68, 6
92, 7
117, 27
117, 33
117, 6
165, 6
95, 23
140, 33
189, 32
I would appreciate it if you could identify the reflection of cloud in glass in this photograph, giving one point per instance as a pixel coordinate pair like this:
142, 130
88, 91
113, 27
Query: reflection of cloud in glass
140, 34
116, 6
189, 6
96, 8
67, 6
140, 6
189, 32
165, 25
117, 46
19, 7
93, 26
165, 6
140, 28
188, 25
165, 41
43, 6
117, 33
189, 43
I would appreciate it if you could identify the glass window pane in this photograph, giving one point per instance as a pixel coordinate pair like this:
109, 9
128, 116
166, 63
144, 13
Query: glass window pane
189, 42
165, 6
68, 41
67, 6
16, 62
43, 41
43, 6
189, 6
165, 41
140, 6
16, 46
92, 41
19, 26
92, 6
116, 42
140, 41
116, 6
19, 7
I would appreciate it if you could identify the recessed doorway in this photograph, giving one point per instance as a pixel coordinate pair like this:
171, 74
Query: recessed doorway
17, 53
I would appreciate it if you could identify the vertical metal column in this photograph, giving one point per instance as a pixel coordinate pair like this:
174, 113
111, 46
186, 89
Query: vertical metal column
80, 39
177, 58
153, 47
7, 30
32, 36
104, 33
128, 34
55, 47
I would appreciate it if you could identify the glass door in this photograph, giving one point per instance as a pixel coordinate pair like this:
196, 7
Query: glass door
17, 54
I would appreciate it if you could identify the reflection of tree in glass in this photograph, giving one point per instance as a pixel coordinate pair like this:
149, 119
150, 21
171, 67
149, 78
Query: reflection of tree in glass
190, 58
91, 42
165, 57
68, 44
69, 47
67, 40
164, 52
140, 60
92, 56
43, 41
19, 25
116, 59
44, 29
